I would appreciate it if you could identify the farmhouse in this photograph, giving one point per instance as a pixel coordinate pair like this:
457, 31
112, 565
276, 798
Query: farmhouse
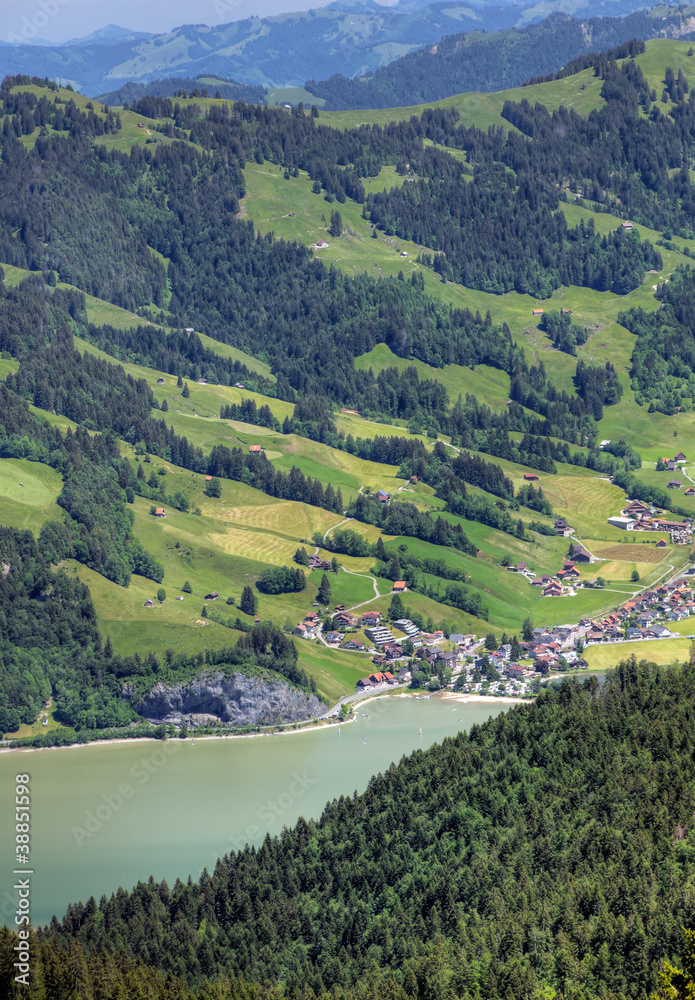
579, 554
351, 644
674, 484
399, 587
680, 457
690, 492
537, 312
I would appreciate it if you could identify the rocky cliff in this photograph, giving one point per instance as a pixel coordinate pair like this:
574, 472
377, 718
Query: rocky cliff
235, 699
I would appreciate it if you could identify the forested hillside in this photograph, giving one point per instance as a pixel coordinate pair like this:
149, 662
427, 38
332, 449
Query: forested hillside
486, 62
547, 849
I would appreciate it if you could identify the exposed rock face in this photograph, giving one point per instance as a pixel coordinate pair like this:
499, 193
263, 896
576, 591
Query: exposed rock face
236, 699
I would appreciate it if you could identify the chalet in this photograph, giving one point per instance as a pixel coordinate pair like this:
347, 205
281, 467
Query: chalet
671, 465
148, 604
552, 589
371, 617
569, 569
674, 484
212, 596
322, 245
413, 479
679, 457
351, 644
378, 678
160, 512
537, 312
562, 527
239, 385
530, 477
537, 581
521, 567
579, 554
255, 449
392, 651
404, 675
626, 225
448, 659
399, 587
661, 544
382, 495
514, 672
340, 607
333, 637
316, 562
690, 492
343, 621
306, 630
365, 682
141, 124
659, 632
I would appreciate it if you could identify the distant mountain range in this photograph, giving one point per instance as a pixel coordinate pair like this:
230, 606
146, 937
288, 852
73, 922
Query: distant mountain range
349, 38
491, 62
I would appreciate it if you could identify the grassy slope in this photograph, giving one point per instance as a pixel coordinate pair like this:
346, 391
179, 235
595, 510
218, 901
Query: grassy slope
244, 531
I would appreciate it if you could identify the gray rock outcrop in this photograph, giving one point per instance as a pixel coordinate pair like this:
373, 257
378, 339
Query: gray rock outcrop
235, 699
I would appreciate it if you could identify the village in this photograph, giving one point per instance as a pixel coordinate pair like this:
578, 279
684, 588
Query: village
404, 654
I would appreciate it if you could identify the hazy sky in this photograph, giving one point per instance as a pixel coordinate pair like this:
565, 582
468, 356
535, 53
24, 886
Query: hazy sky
60, 20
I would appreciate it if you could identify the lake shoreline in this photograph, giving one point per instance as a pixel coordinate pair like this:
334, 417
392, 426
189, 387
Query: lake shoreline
467, 699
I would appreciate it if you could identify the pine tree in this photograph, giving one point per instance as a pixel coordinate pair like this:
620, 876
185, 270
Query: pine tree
324, 594
179, 382
249, 602
527, 630
396, 609
185, 392
380, 550
395, 572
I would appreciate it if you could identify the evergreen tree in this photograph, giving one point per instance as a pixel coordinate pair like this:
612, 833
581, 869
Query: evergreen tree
527, 630
249, 602
336, 226
395, 571
324, 594
396, 608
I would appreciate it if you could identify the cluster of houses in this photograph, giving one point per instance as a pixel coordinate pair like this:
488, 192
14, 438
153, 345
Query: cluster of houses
560, 583
640, 516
